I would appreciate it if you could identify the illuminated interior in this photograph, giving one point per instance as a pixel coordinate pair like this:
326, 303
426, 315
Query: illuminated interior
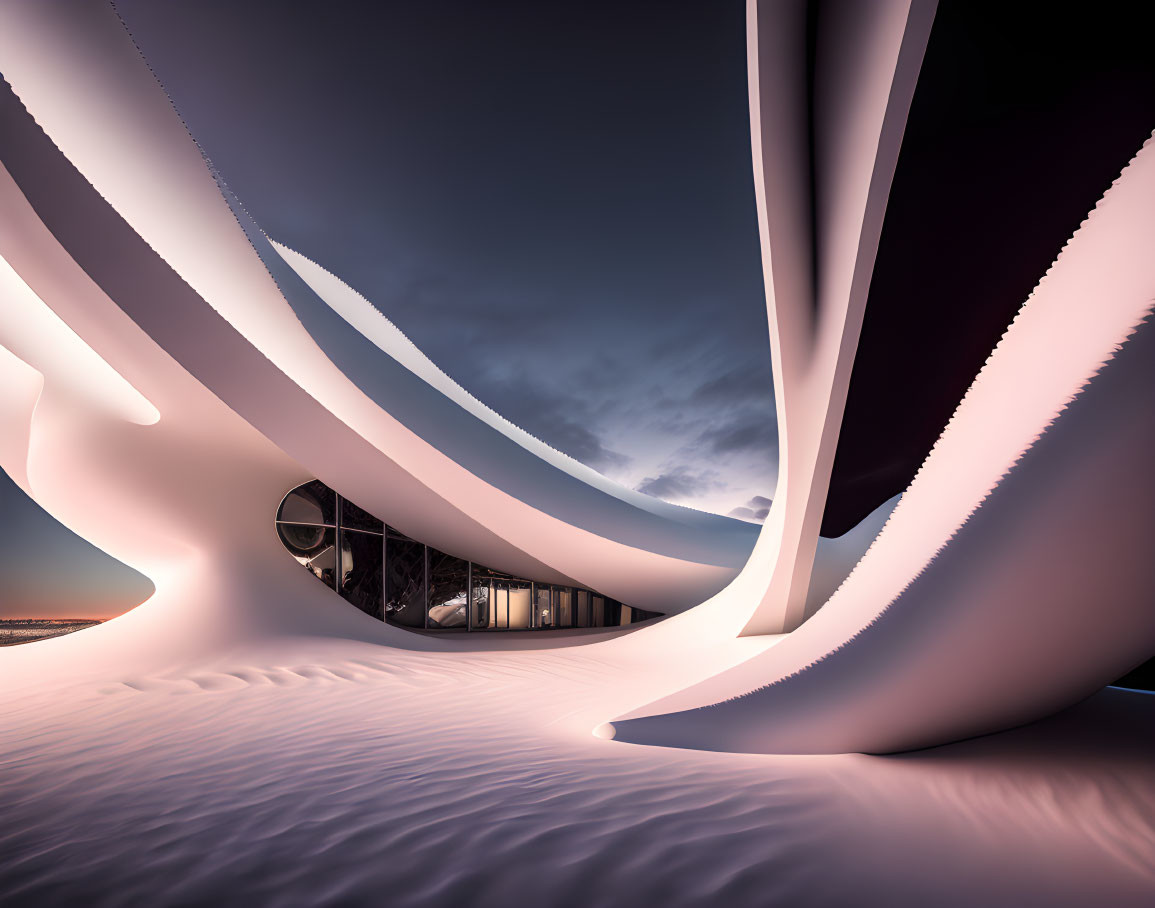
394, 578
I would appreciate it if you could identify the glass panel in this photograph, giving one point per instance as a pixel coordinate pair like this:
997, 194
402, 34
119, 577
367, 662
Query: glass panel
361, 576
499, 594
491, 597
448, 579
563, 606
355, 518
613, 613
481, 613
583, 607
405, 583
416, 587
520, 605
542, 613
313, 547
314, 502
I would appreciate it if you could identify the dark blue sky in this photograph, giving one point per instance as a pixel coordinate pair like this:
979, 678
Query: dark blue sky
554, 201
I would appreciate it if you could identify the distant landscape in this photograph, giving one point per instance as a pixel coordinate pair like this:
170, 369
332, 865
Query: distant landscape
29, 630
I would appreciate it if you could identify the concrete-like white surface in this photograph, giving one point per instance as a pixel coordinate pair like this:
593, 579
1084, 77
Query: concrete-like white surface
1014, 576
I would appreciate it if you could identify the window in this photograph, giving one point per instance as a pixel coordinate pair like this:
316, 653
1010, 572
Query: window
520, 605
563, 606
479, 609
362, 555
314, 547
394, 578
405, 582
353, 518
542, 611
584, 613
448, 586
311, 503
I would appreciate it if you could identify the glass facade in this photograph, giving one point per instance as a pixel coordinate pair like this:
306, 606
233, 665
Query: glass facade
313, 502
353, 518
563, 606
405, 582
448, 590
542, 612
362, 557
314, 547
405, 587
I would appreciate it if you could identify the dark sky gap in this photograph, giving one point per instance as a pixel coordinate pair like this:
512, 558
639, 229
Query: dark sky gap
1022, 117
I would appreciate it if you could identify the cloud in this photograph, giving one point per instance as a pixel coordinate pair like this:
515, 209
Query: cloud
755, 510
749, 430
735, 386
613, 308
580, 443
561, 420
679, 483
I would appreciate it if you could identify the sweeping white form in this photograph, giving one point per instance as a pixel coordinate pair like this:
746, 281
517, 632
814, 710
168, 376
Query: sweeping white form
439, 471
830, 90
1014, 576
171, 373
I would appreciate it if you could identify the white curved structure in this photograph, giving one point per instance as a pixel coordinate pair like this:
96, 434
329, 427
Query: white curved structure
305, 368
166, 363
1013, 577
830, 89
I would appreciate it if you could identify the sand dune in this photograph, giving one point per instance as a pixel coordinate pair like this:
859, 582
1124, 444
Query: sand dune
344, 772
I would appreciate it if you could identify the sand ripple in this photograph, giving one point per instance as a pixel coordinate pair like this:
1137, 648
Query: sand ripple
473, 779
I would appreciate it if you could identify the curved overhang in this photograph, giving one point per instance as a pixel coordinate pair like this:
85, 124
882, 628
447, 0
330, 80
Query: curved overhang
252, 331
396, 376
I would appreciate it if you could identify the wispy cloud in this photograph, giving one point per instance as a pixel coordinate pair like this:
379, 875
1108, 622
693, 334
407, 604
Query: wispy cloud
755, 510
680, 483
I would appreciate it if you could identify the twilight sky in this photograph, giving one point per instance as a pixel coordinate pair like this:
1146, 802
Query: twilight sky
554, 201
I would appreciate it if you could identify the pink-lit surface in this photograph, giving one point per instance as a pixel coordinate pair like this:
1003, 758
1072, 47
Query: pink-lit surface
94, 96
312, 770
818, 252
246, 732
1014, 576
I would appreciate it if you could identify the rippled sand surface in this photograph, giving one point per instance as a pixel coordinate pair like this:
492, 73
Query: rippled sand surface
367, 775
